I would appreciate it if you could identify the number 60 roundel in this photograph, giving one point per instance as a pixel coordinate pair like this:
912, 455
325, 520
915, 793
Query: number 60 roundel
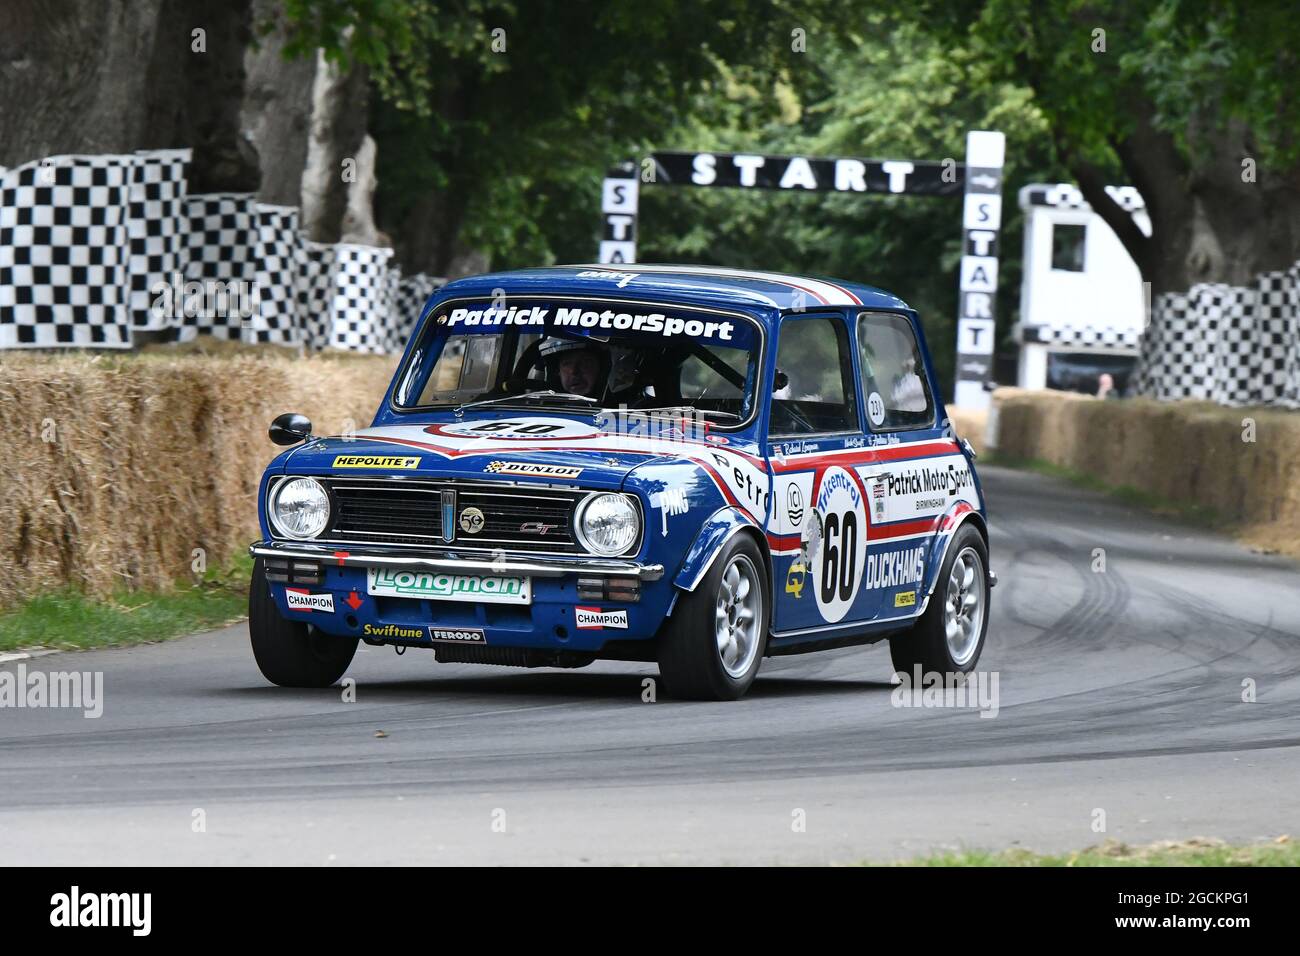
843, 547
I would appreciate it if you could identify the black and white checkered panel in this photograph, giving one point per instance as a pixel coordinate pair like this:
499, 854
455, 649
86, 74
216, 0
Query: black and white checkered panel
315, 294
358, 298
279, 262
1086, 337
62, 253
392, 279
1164, 368
1229, 319
1285, 349
412, 294
219, 265
1068, 196
156, 230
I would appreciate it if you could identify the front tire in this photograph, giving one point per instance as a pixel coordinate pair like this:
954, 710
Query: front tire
712, 646
949, 637
292, 653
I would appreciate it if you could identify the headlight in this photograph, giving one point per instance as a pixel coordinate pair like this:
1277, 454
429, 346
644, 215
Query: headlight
608, 524
300, 508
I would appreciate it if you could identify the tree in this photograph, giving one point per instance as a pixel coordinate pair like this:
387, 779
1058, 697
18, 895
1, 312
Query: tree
1192, 102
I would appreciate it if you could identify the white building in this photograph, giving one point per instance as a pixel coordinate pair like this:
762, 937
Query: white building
1082, 301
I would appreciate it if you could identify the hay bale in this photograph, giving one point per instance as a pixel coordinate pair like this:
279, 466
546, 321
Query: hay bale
118, 467
1188, 453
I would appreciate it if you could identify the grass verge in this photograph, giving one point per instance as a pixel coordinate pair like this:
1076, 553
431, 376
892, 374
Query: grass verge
1200, 515
67, 619
1195, 852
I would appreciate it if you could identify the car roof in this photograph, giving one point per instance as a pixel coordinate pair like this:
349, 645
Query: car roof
704, 284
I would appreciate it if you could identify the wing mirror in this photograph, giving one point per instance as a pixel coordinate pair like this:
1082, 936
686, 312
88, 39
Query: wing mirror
290, 428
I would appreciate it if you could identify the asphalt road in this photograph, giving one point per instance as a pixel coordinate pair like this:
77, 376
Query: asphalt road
1119, 690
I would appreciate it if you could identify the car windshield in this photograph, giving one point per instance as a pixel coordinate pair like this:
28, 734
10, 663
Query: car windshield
583, 355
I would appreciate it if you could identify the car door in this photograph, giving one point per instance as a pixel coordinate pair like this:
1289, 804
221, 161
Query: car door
916, 475
818, 521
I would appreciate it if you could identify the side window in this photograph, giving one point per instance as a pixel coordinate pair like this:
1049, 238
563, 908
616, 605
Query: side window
893, 374
813, 391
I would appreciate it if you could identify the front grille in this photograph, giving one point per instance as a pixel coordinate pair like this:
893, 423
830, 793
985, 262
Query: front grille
384, 511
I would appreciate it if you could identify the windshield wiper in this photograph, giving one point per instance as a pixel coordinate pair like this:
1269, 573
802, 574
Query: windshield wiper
548, 395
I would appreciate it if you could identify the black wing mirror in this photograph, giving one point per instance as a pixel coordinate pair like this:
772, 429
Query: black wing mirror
290, 428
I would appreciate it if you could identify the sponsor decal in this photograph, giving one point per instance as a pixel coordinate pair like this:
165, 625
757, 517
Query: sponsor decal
748, 483
921, 479
838, 563
580, 318
595, 619
302, 600
458, 635
533, 470
440, 586
795, 577
376, 461
891, 569
472, 520
905, 599
398, 631
794, 505
623, 277
670, 501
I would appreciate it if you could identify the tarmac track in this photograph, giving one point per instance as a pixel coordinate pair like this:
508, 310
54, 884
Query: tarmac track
1120, 691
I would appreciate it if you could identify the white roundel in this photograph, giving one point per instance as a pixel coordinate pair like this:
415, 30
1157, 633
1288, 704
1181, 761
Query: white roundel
876, 409
837, 566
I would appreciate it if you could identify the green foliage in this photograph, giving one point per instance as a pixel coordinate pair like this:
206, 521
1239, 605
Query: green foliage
513, 145
1196, 64
69, 619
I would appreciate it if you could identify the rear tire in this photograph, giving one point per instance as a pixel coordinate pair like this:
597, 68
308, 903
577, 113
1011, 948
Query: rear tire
712, 646
949, 636
292, 653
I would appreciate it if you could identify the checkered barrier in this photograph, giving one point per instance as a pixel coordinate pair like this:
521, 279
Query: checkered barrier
220, 264
411, 295
358, 294
1081, 338
155, 229
93, 248
63, 262
1227, 344
280, 253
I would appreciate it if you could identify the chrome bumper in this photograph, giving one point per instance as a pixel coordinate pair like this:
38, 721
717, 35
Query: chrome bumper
539, 566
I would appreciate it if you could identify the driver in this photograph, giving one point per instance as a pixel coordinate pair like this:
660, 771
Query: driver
580, 366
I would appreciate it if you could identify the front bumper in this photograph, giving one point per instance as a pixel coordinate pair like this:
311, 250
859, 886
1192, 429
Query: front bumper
632, 597
537, 566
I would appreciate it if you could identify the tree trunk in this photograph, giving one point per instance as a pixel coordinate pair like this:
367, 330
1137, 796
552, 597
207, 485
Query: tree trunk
196, 88
70, 76
277, 112
338, 126
1209, 222
112, 76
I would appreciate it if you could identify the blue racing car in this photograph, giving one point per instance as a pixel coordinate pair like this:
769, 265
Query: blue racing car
691, 466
